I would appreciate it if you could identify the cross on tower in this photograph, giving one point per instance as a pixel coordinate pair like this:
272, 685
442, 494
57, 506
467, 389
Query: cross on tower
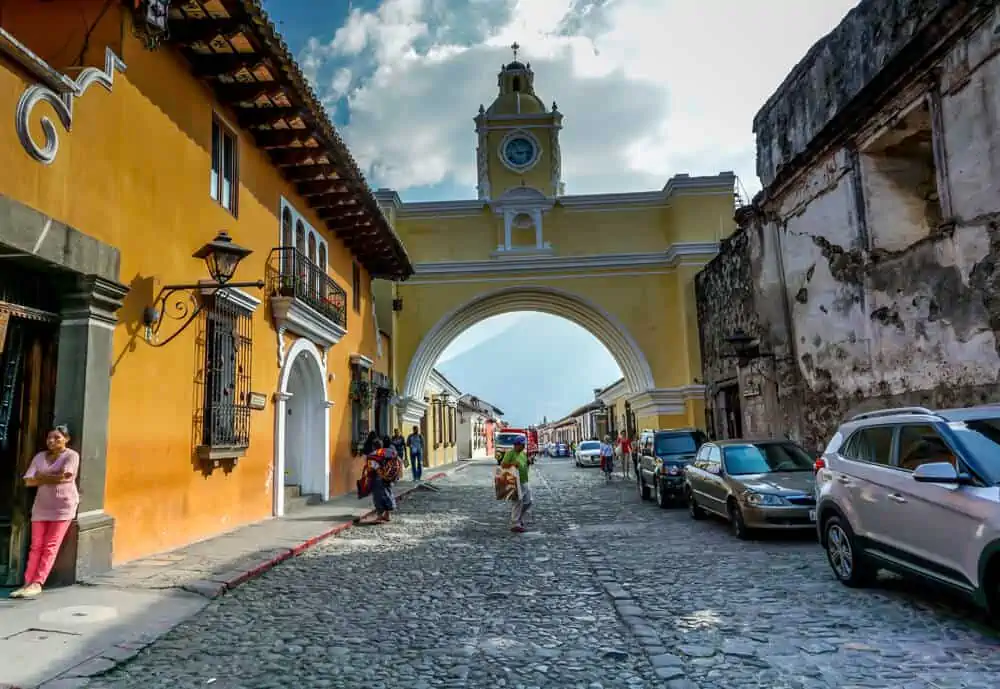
515, 47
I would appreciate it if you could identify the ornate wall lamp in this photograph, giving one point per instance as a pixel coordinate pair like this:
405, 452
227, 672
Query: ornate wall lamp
222, 257
397, 304
150, 22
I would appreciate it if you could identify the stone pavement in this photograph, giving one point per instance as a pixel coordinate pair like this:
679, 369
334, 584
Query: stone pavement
604, 592
76, 631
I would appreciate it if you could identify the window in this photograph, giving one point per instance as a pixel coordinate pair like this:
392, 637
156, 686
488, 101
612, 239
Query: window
922, 445
438, 420
766, 458
300, 236
360, 414
356, 286
900, 179
517, 84
228, 355
870, 445
452, 419
225, 166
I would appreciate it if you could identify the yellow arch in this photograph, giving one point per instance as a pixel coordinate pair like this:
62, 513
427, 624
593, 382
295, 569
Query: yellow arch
603, 325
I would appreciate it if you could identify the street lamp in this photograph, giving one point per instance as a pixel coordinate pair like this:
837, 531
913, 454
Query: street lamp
222, 256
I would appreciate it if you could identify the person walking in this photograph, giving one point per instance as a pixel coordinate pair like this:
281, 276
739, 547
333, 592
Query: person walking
369, 445
607, 457
53, 472
625, 445
399, 444
416, 444
386, 468
517, 459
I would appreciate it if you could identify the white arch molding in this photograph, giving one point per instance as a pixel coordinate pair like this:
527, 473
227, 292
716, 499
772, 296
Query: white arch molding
599, 322
302, 379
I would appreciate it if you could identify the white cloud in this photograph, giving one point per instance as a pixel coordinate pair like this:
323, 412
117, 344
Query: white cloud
649, 88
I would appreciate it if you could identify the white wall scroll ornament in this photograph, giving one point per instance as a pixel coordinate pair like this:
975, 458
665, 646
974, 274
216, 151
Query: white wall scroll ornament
62, 103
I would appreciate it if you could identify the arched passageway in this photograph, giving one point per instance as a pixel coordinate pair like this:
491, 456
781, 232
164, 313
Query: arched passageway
603, 325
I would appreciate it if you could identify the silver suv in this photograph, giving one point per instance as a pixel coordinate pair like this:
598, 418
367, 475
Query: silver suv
917, 492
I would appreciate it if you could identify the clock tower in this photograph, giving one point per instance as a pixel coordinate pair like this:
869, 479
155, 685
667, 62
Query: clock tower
518, 138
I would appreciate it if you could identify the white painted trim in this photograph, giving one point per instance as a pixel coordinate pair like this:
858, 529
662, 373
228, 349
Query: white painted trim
301, 347
656, 401
310, 231
603, 325
522, 279
362, 361
298, 317
60, 98
441, 383
678, 186
613, 392
237, 297
675, 255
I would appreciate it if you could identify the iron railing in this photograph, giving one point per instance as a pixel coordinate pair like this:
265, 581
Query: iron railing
290, 273
228, 357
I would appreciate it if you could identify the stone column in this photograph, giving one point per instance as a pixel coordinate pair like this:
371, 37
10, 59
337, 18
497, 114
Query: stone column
508, 219
83, 393
536, 215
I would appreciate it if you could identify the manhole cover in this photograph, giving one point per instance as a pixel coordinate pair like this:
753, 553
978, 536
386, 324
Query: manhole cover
79, 614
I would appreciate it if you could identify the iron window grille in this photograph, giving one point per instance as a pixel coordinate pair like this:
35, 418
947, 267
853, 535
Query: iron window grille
228, 357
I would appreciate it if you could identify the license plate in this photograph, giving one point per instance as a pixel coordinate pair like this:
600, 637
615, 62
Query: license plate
812, 515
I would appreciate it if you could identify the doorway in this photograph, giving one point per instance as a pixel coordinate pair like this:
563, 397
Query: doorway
731, 423
305, 456
27, 396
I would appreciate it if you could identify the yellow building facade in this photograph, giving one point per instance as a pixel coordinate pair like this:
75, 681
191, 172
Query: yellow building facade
126, 148
620, 265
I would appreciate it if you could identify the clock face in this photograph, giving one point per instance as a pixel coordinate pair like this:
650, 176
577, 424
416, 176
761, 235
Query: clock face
519, 151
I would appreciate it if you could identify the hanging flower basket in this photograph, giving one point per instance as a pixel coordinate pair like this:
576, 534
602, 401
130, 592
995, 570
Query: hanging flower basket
361, 392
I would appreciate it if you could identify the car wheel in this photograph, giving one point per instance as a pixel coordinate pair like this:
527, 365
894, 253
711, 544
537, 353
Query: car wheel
644, 491
693, 509
736, 522
846, 560
661, 498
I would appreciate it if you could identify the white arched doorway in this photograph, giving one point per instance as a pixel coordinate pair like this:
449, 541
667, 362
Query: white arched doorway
302, 426
601, 324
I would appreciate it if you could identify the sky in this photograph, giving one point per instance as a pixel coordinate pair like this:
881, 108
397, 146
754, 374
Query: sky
648, 88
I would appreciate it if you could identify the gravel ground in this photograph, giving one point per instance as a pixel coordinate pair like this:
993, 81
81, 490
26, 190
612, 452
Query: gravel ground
604, 592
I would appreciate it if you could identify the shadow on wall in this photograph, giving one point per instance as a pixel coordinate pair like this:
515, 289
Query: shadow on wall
140, 295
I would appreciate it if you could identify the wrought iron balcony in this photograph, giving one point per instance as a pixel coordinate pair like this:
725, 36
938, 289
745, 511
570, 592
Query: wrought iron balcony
294, 280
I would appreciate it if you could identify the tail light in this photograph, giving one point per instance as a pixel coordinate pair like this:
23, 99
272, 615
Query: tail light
820, 463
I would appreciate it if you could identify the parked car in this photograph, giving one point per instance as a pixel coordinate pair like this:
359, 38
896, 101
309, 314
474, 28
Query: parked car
562, 450
765, 484
588, 453
915, 491
662, 458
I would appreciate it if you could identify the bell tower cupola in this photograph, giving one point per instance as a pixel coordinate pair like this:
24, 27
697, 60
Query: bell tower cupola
518, 137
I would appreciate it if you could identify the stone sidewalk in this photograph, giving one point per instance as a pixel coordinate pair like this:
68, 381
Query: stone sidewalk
71, 633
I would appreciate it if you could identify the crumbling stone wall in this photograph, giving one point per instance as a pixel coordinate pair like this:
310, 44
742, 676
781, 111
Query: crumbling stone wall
916, 323
850, 59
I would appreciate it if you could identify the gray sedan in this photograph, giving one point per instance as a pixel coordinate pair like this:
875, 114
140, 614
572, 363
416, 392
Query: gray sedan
754, 484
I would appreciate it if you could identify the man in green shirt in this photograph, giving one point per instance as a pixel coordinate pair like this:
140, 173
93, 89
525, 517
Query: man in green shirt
516, 458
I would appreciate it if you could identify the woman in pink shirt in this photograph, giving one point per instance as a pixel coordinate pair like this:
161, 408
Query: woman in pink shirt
53, 472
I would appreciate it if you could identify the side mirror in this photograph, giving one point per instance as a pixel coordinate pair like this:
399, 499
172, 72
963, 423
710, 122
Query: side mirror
939, 472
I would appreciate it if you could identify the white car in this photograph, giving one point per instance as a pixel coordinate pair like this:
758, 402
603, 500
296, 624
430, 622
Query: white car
588, 454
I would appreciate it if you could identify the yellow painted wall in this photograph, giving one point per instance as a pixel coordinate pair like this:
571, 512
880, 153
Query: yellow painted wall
134, 173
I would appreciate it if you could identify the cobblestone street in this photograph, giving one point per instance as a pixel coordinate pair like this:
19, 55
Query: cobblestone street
605, 591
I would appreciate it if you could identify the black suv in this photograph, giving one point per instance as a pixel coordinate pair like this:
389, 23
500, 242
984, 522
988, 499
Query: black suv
662, 458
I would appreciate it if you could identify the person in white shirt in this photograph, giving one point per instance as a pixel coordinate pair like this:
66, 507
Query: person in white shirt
607, 457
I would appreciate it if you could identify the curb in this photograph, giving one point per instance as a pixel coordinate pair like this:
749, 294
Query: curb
297, 550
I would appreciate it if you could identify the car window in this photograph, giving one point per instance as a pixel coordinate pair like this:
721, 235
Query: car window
676, 443
766, 458
873, 444
702, 453
980, 438
590, 445
922, 444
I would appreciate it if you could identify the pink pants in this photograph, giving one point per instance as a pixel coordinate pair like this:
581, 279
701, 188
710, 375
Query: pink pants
46, 537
